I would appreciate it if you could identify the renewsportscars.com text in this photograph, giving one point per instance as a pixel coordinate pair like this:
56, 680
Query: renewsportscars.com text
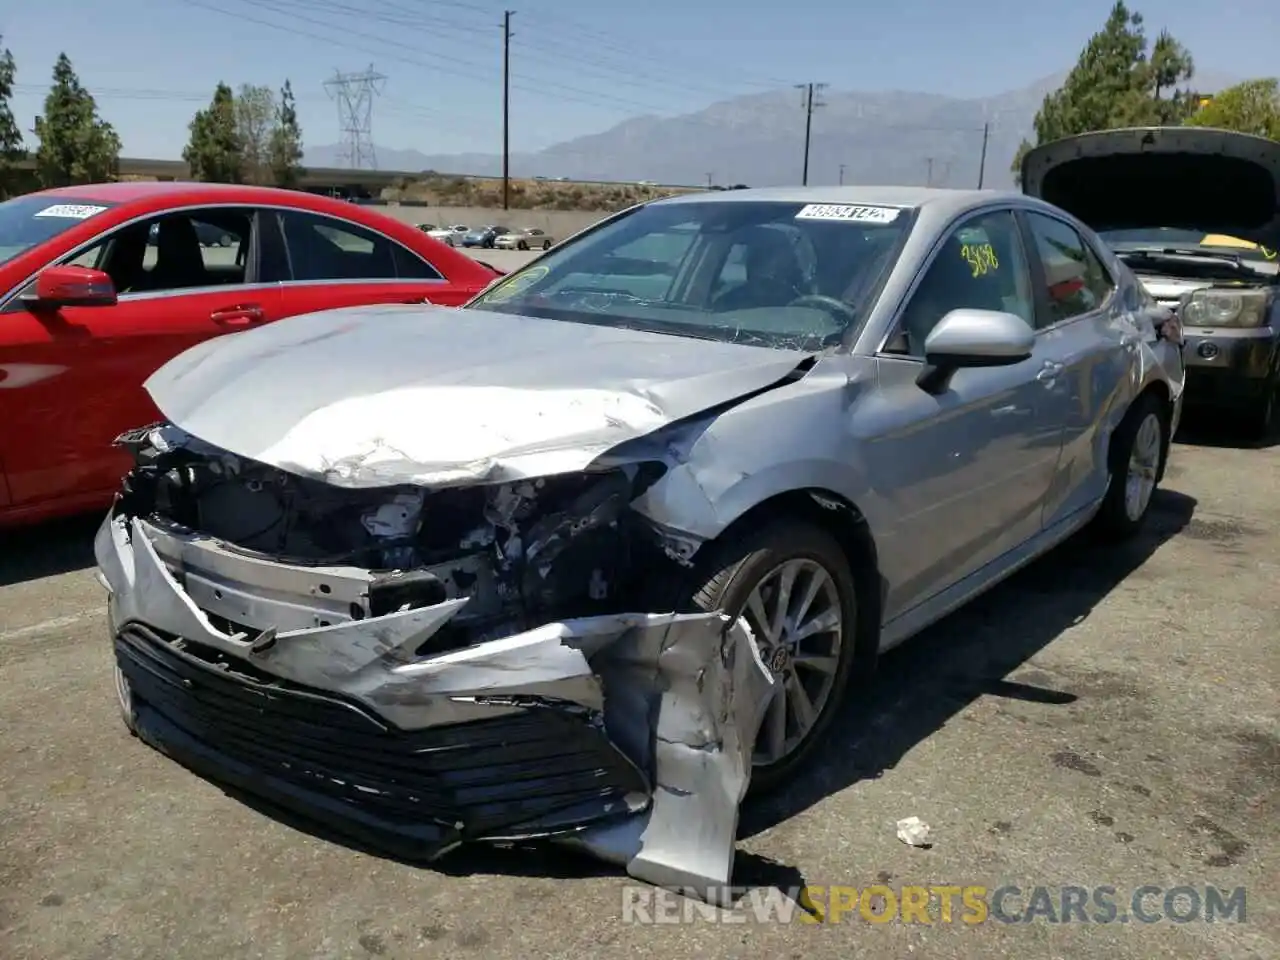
966, 905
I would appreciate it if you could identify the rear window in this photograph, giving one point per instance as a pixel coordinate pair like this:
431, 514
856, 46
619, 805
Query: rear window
27, 222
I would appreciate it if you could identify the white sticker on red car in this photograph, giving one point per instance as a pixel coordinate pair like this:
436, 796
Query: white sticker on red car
71, 211
844, 211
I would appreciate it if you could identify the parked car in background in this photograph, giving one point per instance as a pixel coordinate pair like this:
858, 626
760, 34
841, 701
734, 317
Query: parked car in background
451, 235
101, 284
530, 238
426, 227
483, 237
595, 555
1195, 213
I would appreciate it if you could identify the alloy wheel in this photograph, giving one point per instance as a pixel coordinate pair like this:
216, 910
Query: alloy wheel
1144, 467
796, 616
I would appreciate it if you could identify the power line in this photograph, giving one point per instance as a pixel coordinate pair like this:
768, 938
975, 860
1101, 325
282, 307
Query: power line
354, 93
812, 100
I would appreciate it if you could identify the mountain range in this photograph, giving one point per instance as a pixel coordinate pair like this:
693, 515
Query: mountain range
879, 137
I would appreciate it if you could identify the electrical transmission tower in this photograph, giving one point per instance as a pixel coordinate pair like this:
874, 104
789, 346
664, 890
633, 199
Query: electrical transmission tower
354, 93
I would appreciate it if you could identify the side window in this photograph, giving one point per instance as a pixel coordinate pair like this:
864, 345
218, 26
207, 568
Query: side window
1077, 281
174, 251
322, 248
410, 266
980, 266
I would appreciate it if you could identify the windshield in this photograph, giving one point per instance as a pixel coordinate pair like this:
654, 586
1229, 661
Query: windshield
26, 222
1170, 237
766, 273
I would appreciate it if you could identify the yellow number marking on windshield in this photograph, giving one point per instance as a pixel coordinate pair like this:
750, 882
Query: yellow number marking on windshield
981, 258
1267, 252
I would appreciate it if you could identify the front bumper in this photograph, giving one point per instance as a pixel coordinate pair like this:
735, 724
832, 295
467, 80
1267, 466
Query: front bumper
630, 735
1228, 366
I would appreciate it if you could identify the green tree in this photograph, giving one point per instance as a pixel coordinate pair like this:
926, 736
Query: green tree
255, 121
215, 152
76, 145
1115, 84
1249, 107
11, 150
285, 149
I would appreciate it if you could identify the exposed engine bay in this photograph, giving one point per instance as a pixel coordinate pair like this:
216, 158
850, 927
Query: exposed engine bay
521, 552
424, 668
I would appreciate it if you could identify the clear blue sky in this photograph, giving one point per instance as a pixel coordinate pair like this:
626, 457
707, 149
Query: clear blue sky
576, 66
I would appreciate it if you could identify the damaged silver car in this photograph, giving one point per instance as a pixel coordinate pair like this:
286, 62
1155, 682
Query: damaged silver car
592, 556
1195, 213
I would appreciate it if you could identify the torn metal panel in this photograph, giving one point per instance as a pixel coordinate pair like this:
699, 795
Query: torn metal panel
463, 398
680, 697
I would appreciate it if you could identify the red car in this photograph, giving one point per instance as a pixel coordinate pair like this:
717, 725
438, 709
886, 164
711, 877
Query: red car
101, 284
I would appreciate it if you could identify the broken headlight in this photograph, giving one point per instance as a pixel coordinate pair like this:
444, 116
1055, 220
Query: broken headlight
1224, 308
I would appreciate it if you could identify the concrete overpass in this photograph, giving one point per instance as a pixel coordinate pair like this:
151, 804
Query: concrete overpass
349, 183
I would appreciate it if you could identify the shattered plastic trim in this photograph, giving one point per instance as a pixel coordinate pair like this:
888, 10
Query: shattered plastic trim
682, 696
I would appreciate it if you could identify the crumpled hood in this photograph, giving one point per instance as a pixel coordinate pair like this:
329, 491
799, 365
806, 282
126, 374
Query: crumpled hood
1193, 178
378, 396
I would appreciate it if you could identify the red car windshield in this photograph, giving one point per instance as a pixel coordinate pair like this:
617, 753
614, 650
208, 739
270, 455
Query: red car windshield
26, 222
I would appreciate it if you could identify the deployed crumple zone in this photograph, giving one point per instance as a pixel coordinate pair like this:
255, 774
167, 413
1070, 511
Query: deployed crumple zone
421, 668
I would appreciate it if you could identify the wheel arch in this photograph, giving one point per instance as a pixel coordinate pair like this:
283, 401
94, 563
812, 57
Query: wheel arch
843, 520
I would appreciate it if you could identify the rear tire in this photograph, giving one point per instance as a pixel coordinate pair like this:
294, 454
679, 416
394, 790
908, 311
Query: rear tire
814, 649
1137, 455
546, 244
522, 245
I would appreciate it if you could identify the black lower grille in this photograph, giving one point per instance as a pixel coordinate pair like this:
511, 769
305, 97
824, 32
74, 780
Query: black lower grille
546, 769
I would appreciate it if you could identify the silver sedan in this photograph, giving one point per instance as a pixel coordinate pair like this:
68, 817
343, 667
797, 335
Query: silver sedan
594, 556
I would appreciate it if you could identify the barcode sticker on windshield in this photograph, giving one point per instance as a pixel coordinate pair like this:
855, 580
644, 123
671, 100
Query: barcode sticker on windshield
843, 211
71, 211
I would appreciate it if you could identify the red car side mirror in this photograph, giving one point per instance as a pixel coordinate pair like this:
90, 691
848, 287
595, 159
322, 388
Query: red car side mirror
66, 286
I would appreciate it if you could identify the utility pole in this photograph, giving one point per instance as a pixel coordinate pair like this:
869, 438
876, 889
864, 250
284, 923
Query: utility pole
929, 178
842, 174
982, 163
710, 178
506, 109
812, 100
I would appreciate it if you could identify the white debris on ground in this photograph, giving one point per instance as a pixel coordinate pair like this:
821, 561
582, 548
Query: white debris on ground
913, 831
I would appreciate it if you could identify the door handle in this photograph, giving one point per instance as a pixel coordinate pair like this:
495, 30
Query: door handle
1050, 371
245, 315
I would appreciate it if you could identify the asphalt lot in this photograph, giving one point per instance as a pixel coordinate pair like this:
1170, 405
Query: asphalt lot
1107, 717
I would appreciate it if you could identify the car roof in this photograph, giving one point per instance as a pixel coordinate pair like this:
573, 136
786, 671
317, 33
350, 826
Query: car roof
941, 200
125, 192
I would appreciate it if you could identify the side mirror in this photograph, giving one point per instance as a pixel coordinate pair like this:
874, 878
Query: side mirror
974, 338
67, 286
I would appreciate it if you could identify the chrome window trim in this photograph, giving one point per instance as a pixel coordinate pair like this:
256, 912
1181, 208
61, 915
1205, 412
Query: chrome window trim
7, 300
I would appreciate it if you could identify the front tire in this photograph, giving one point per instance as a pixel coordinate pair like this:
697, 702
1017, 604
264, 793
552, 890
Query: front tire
792, 584
546, 244
124, 696
522, 245
1138, 451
